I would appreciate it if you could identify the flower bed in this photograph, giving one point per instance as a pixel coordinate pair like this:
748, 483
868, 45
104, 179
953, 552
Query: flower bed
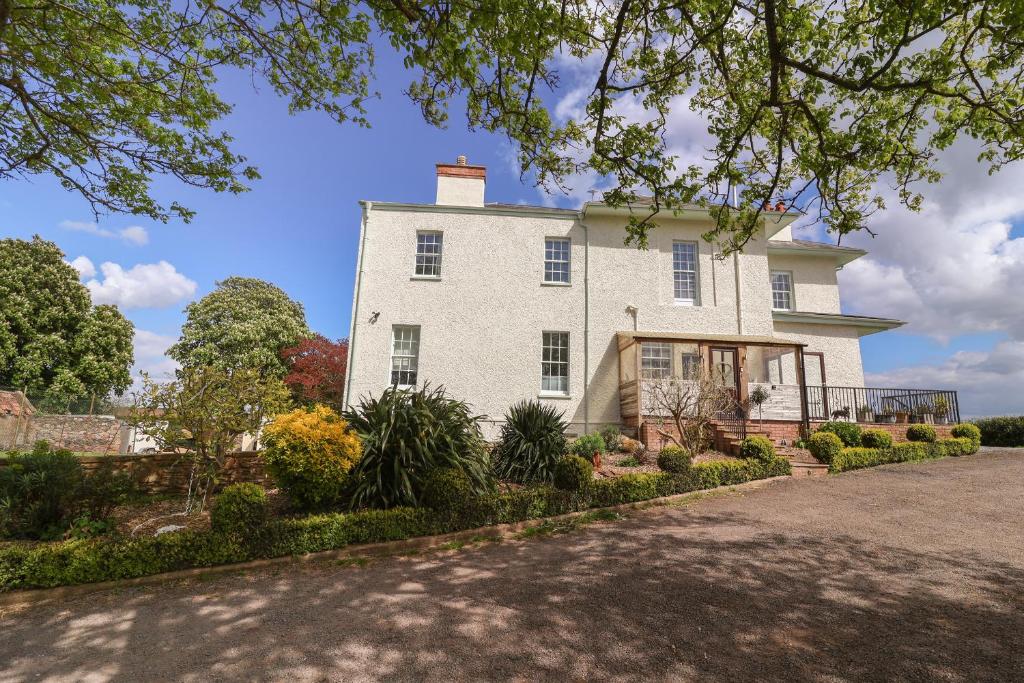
24, 565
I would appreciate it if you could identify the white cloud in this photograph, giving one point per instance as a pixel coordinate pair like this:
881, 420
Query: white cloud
133, 234
150, 355
84, 266
145, 285
136, 234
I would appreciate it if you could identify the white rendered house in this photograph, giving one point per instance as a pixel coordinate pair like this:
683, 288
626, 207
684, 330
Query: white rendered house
501, 302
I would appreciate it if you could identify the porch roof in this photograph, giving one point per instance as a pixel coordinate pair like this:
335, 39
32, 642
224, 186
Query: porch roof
628, 337
864, 324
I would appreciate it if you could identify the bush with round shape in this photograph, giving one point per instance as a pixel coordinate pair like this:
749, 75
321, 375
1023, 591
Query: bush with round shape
999, 431
848, 432
573, 473
39, 493
967, 431
310, 454
406, 435
824, 446
758, 448
674, 459
610, 435
446, 489
921, 433
239, 510
876, 438
588, 445
532, 442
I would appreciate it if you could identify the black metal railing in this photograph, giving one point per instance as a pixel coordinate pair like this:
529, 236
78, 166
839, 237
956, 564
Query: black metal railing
882, 405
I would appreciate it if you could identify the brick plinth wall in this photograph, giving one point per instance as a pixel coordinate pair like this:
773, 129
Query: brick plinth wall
169, 472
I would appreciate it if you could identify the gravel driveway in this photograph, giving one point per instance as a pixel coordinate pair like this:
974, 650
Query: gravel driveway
899, 573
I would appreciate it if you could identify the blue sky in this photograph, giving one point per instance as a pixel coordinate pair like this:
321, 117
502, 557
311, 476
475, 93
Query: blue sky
298, 228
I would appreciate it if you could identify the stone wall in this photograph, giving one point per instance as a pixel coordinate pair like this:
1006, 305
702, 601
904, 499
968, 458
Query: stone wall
169, 472
104, 434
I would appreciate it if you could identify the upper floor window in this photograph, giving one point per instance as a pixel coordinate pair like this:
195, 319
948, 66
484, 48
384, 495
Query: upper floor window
655, 360
405, 354
684, 273
554, 367
556, 260
782, 290
428, 254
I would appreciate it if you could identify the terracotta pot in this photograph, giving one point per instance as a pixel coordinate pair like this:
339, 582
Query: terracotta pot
767, 206
780, 206
901, 418
596, 460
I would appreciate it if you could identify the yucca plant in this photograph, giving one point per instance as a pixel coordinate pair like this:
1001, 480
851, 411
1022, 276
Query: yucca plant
406, 435
532, 443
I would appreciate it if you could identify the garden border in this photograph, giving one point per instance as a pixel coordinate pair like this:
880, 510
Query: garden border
32, 596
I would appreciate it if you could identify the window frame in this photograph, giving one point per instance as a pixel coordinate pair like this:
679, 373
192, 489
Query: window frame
415, 356
425, 255
545, 361
686, 301
568, 262
659, 372
791, 292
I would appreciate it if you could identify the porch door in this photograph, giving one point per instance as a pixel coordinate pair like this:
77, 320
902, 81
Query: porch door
725, 371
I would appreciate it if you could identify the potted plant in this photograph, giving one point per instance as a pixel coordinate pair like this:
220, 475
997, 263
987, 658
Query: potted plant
887, 416
865, 414
902, 417
941, 410
925, 413
758, 397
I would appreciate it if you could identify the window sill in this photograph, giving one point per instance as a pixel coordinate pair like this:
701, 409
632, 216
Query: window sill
782, 310
556, 284
426, 277
688, 304
554, 395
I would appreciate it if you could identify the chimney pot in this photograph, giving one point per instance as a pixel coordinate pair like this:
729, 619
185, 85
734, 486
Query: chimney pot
460, 160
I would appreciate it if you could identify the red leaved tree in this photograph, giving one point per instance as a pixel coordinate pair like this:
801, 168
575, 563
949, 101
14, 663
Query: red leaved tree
316, 370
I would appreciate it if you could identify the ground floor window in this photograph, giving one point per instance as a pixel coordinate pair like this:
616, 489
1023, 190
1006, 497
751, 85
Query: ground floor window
554, 374
405, 354
655, 360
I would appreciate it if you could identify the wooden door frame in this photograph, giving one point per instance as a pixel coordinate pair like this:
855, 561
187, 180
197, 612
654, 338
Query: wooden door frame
824, 382
737, 385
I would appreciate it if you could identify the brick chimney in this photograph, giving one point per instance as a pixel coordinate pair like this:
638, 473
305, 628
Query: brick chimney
460, 184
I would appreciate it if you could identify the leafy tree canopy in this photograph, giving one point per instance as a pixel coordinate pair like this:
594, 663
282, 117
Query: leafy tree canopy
316, 370
243, 323
52, 338
808, 102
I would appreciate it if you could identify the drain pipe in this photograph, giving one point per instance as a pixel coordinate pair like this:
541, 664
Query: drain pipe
346, 399
739, 307
586, 327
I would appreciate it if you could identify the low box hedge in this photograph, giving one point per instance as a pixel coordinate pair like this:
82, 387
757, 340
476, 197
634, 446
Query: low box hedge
858, 458
90, 561
1001, 431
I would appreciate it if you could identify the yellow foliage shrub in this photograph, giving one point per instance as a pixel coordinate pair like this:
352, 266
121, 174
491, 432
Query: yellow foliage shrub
310, 453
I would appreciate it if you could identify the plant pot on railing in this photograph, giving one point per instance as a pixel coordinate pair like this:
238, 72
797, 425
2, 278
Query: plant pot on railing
941, 420
865, 414
941, 410
902, 417
887, 419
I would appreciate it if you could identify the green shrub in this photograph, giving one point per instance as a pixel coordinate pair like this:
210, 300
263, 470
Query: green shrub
1000, 431
532, 442
674, 459
446, 489
408, 434
876, 438
858, 457
44, 492
240, 510
758, 448
573, 473
855, 458
610, 436
311, 453
972, 432
587, 445
630, 461
824, 446
848, 432
921, 432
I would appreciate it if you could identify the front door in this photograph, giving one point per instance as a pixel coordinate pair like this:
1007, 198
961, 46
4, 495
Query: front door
725, 371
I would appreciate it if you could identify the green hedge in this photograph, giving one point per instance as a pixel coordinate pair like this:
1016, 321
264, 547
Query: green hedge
76, 562
858, 458
1001, 431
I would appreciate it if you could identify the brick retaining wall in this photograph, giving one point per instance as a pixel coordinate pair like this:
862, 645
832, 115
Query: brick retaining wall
169, 472
78, 433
